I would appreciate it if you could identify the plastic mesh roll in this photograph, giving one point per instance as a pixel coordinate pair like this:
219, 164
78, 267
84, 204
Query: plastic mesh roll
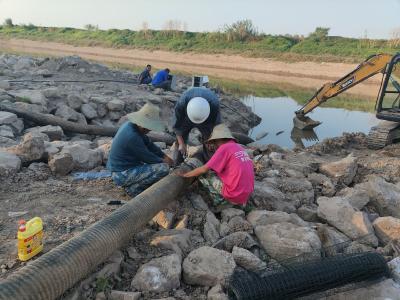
307, 278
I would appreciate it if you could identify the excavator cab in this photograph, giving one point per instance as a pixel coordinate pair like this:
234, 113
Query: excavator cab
388, 101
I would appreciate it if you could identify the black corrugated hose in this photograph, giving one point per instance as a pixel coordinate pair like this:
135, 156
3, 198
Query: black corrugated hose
53, 273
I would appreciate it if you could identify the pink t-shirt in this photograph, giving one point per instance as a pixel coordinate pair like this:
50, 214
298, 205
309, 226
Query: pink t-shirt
235, 169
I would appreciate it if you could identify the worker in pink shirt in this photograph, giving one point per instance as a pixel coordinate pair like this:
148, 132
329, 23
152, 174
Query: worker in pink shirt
233, 179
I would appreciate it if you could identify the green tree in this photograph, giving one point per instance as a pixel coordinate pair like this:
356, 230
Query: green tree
91, 27
319, 34
8, 22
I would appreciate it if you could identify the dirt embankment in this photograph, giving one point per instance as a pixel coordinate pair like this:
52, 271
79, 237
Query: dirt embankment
301, 74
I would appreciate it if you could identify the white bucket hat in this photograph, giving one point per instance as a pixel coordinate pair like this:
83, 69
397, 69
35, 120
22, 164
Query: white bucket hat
147, 117
221, 131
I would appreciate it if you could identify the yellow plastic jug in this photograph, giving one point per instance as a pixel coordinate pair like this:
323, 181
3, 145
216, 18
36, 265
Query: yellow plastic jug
30, 238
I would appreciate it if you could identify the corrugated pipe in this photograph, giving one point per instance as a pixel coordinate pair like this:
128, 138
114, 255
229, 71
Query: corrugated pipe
52, 274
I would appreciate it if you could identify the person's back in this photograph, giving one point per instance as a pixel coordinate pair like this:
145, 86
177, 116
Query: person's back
235, 169
160, 77
131, 149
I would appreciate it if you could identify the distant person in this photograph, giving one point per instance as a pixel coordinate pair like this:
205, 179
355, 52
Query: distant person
145, 76
198, 108
229, 174
136, 162
162, 80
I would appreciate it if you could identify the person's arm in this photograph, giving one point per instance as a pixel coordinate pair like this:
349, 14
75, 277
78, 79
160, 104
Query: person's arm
153, 147
196, 172
139, 148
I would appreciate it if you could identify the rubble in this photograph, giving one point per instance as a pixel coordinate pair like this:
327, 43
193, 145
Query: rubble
355, 224
306, 201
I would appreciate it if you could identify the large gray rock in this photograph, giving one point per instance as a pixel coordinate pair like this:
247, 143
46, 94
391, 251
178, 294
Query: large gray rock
247, 260
333, 241
177, 240
265, 217
285, 240
357, 197
61, 163
54, 133
355, 224
387, 229
6, 131
30, 149
51, 93
239, 224
116, 105
88, 111
5, 85
23, 64
229, 213
267, 196
7, 118
9, 164
11, 120
384, 196
65, 112
383, 290
6, 142
84, 159
322, 184
217, 293
343, 170
74, 101
159, 275
208, 266
211, 228
394, 266
30, 96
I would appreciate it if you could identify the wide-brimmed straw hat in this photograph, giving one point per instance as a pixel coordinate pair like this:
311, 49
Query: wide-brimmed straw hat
221, 131
147, 117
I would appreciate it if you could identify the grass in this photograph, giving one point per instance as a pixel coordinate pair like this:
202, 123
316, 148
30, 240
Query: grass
290, 48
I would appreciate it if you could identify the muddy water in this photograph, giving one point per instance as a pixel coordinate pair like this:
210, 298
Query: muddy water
277, 120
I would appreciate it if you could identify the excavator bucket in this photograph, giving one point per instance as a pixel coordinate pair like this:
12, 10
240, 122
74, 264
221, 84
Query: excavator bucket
304, 123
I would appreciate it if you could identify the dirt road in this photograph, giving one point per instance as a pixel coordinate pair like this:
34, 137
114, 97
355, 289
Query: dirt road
301, 74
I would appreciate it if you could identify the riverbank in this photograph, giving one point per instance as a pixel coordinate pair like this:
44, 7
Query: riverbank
288, 76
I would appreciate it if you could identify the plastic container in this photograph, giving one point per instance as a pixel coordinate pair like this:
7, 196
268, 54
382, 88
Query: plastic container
30, 238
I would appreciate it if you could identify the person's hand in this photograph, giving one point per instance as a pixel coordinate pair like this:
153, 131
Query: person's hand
168, 160
180, 173
183, 149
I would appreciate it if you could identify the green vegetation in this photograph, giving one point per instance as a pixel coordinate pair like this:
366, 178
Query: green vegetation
301, 95
239, 38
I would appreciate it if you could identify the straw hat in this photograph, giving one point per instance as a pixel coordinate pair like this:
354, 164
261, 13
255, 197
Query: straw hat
147, 117
221, 132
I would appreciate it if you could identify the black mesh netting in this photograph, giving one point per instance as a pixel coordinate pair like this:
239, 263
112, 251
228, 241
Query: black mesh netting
308, 277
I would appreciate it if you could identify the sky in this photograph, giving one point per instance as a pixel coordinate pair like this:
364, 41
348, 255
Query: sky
352, 18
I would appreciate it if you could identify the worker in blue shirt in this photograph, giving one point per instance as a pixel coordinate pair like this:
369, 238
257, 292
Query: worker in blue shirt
162, 80
137, 163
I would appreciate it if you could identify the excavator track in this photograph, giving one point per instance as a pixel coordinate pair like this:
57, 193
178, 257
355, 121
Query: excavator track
383, 134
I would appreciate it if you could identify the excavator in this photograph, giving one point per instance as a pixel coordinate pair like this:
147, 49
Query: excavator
387, 104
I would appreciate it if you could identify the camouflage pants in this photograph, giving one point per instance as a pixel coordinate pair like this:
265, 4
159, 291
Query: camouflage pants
137, 179
213, 185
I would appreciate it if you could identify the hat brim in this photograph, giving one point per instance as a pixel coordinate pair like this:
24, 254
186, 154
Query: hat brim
150, 124
221, 137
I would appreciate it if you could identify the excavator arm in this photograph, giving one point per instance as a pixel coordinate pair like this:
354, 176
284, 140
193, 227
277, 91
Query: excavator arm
371, 66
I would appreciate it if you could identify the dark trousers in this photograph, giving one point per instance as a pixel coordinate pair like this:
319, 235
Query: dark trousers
166, 85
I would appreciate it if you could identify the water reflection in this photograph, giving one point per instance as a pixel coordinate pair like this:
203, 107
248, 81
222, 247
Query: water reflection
277, 120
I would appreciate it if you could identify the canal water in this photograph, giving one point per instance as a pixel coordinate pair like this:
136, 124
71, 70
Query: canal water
277, 120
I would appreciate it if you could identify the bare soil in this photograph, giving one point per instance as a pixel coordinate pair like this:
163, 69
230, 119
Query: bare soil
301, 74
